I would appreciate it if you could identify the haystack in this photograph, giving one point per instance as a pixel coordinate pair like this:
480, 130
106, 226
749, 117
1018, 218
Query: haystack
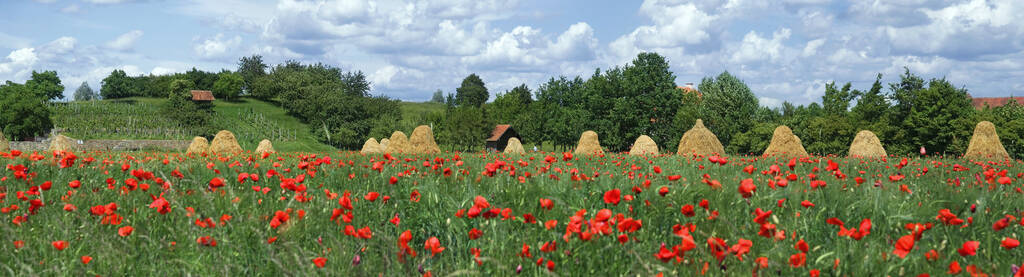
785, 144
199, 145
4, 145
225, 143
61, 143
866, 145
701, 141
514, 147
422, 141
398, 143
985, 143
588, 145
371, 147
384, 144
644, 145
265, 147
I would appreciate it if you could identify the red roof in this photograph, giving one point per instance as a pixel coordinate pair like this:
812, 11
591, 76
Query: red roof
498, 131
202, 95
981, 102
689, 89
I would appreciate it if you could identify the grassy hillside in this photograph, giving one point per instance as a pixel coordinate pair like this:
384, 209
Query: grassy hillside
140, 118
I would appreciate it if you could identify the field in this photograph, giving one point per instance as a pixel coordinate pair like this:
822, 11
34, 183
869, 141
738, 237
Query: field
344, 214
249, 119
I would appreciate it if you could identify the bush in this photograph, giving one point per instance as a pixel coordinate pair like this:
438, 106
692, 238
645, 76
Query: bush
228, 86
24, 113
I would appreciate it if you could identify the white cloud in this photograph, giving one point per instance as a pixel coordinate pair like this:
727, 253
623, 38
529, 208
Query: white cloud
676, 27
125, 41
216, 47
383, 75
769, 102
965, 30
575, 44
756, 48
19, 60
812, 47
159, 70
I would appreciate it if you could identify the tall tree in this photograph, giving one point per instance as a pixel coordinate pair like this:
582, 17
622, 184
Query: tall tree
647, 104
228, 86
438, 96
85, 93
251, 68
46, 84
728, 105
472, 92
116, 85
25, 113
836, 101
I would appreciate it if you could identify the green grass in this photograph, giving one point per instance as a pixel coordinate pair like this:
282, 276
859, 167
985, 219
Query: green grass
166, 244
249, 119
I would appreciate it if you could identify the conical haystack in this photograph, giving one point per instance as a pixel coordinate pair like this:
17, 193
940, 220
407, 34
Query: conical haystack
61, 143
398, 143
371, 147
4, 145
265, 147
985, 143
384, 144
514, 147
644, 145
422, 141
866, 145
785, 144
701, 141
199, 145
588, 145
225, 143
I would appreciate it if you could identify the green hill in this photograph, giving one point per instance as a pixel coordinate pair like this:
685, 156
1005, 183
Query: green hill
140, 118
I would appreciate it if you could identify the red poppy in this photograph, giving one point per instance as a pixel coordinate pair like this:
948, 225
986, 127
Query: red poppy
747, 188
547, 203
206, 241
664, 254
125, 231
59, 245
798, 259
475, 234
395, 220
414, 196
674, 177
319, 262
687, 210
393, 180
216, 183
904, 245
364, 233
806, 204
801, 246
954, 268
1010, 243
86, 259
18, 244
970, 248
613, 197
371, 196
433, 245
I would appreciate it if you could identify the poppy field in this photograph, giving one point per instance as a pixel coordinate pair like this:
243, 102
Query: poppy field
346, 214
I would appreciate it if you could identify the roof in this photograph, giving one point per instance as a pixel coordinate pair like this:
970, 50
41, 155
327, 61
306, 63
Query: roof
981, 102
498, 132
690, 89
202, 95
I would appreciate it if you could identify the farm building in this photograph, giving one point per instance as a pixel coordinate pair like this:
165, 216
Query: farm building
202, 96
500, 136
992, 102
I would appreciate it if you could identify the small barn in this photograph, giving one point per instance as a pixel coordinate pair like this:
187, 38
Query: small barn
201, 96
500, 136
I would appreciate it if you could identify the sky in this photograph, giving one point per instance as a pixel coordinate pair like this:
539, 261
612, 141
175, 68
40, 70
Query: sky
785, 50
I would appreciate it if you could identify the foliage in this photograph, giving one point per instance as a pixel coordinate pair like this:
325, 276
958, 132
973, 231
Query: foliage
251, 68
728, 105
201, 79
464, 128
85, 93
472, 92
228, 86
46, 84
116, 85
438, 97
24, 114
179, 106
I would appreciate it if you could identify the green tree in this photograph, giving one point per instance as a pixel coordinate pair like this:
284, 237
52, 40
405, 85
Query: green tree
438, 96
727, 107
647, 104
472, 92
85, 93
116, 85
203, 80
941, 118
228, 86
251, 68
46, 84
835, 101
509, 106
871, 107
25, 113
465, 127
180, 107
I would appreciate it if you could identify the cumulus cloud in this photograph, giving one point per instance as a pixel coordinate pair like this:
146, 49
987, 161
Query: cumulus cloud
756, 48
964, 31
19, 59
218, 46
125, 41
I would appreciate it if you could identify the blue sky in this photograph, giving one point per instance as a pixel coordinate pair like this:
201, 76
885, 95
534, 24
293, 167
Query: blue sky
785, 50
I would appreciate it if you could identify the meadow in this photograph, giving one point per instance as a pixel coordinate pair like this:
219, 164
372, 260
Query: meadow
346, 214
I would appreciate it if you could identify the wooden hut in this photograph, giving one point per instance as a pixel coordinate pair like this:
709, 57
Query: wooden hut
203, 99
500, 136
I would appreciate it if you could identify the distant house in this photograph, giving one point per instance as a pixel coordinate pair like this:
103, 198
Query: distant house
500, 136
992, 102
689, 88
202, 96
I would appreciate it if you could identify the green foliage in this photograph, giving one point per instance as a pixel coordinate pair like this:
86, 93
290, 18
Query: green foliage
251, 68
646, 105
472, 92
201, 79
116, 85
1009, 121
25, 113
465, 128
508, 107
228, 86
837, 102
85, 93
753, 141
939, 117
727, 107
46, 84
438, 97
179, 106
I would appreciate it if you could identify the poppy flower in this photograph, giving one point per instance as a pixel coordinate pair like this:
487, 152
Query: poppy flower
206, 241
687, 210
215, 183
674, 177
319, 262
970, 248
801, 246
59, 245
806, 204
904, 245
86, 259
547, 203
613, 197
798, 259
433, 245
954, 268
664, 254
1010, 243
475, 234
364, 233
125, 231
371, 196
393, 180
